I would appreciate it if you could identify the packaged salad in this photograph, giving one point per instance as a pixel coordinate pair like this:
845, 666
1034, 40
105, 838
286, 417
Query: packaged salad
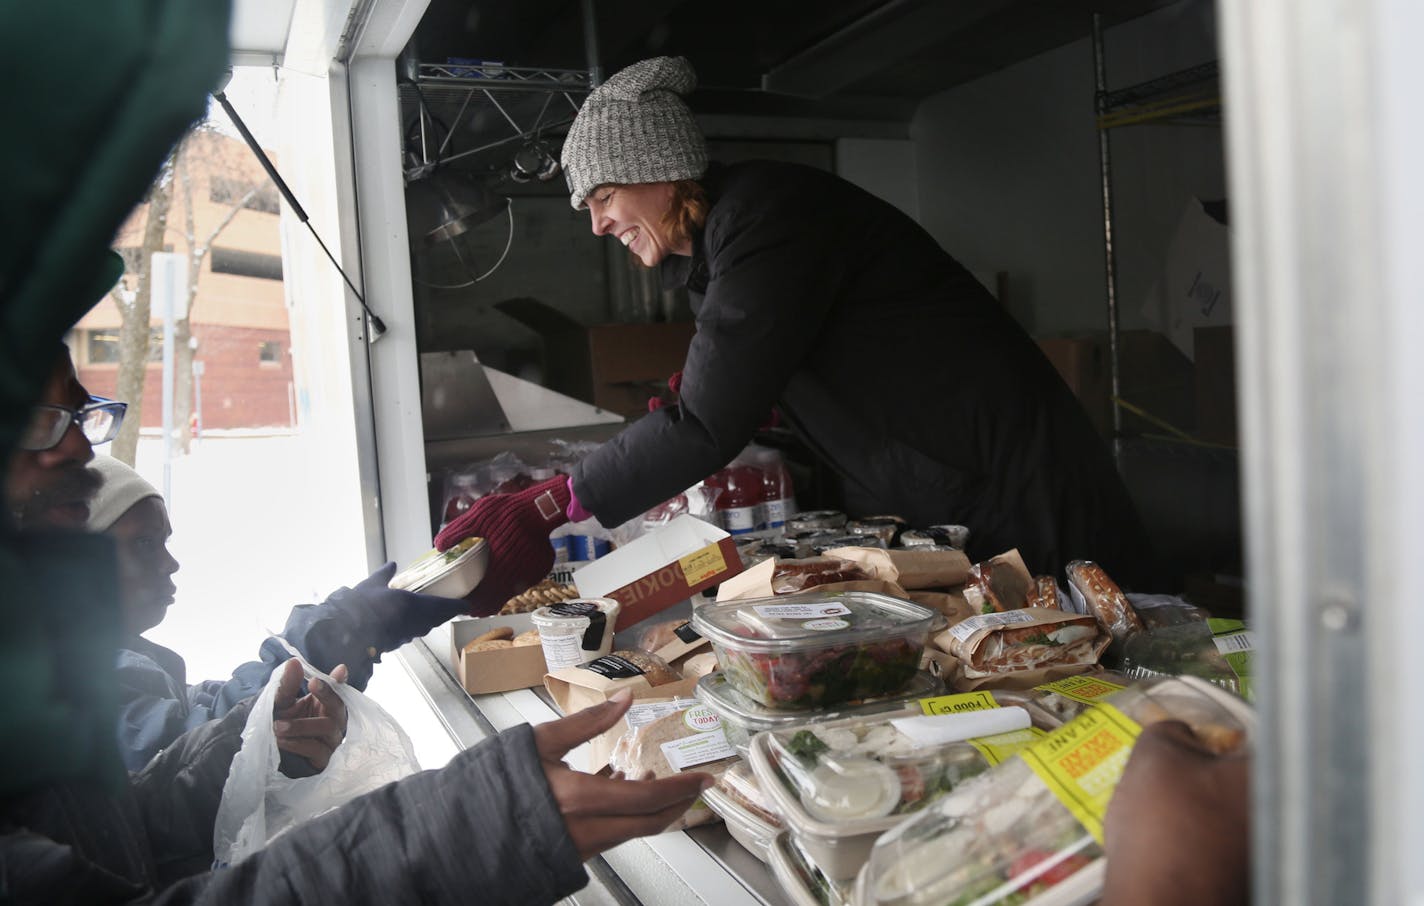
816, 649
839, 785
743, 718
1006, 838
1218, 651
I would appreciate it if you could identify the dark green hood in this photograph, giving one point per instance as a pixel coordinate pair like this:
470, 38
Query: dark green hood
95, 96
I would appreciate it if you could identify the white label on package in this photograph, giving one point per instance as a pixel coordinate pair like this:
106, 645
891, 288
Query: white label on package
938, 729
825, 625
1235, 643
640, 713
801, 611
698, 749
965, 628
562, 650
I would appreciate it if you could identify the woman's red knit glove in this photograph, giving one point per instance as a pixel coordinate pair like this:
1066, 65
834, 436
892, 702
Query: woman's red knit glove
516, 527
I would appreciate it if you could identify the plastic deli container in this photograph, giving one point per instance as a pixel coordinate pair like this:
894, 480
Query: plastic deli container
746, 828
1006, 838
803, 883
839, 785
1067, 698
577, 631
448, 574
743, 718
816, 649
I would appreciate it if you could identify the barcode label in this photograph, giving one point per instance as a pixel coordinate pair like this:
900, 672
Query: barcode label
1235, 643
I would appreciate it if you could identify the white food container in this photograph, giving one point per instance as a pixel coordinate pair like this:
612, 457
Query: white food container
1004, 837
802, 882
745, 827
576, 632
449, 574
839, 846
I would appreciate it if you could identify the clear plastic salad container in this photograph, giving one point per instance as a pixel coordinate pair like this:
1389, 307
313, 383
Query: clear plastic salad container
743, 718
817, 649
1005, 839
803, 883
839, 785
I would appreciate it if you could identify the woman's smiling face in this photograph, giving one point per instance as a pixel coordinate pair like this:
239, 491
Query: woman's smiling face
635, 215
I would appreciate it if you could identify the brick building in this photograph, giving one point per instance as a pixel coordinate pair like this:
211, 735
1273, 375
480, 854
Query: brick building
242, 364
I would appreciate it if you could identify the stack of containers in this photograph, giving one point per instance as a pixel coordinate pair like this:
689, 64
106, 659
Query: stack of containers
1006, 837
792, 660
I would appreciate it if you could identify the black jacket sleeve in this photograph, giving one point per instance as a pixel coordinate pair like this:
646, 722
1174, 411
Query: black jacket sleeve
770, 288
483, 829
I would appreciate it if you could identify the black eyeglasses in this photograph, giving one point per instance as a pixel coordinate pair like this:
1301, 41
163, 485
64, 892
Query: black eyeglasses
99, 421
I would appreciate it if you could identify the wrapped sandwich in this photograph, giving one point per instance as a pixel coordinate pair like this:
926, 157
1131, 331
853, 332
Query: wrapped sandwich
1028, 639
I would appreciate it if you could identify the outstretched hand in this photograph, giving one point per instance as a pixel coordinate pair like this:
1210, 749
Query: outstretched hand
310, 725
602, 812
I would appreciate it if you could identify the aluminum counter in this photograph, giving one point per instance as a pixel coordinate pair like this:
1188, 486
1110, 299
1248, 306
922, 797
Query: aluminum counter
703, 865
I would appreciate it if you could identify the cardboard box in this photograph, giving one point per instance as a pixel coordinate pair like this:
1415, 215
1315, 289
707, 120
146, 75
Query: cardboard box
495, 671
1082, 363
613, 366
661, 568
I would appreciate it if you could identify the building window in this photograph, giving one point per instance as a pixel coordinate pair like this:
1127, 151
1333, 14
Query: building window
246, 264
269, 352
102, 346
225, 190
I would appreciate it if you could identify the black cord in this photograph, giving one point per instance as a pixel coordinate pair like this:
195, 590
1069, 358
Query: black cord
378, 326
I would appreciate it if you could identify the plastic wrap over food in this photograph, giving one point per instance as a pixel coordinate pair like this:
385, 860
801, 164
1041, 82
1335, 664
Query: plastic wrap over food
998, 584
1156, 611
682, 735
1024, 639
792, 576
1096, 592
1218, 651
1008, 836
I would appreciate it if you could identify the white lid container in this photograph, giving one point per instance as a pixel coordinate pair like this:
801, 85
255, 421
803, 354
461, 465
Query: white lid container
575, 632
1004, 837
447, 574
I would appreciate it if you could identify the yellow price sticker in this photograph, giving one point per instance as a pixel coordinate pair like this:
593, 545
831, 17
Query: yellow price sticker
701, 565
959, 704
1082, 761
1085, 689
1001, 747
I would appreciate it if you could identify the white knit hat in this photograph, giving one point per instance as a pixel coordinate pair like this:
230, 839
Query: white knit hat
634, 128
121, 489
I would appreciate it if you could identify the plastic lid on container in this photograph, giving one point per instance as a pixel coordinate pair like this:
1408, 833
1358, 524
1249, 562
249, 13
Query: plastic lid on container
435, 567
715, 691
809, 620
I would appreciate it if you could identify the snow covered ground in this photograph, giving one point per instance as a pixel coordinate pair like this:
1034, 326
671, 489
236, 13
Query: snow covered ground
248, 530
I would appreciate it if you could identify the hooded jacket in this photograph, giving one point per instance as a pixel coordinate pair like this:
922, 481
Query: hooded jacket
891, 363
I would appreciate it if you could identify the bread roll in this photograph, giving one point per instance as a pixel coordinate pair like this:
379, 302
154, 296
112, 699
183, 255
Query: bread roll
488, 645
527, 638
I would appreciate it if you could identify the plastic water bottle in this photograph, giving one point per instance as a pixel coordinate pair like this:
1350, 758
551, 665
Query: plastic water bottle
778, 497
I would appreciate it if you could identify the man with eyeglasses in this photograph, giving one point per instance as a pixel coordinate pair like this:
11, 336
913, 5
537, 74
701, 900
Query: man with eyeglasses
47, 485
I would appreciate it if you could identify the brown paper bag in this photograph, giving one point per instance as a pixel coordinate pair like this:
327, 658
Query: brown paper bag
909, 569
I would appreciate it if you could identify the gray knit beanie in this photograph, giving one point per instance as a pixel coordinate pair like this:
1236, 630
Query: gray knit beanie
634, 128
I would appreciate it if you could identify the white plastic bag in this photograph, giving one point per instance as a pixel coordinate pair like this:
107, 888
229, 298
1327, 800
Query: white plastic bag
259, 802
